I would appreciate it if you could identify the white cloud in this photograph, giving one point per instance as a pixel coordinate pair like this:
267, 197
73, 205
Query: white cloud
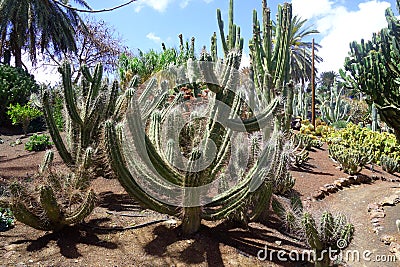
245, 61
159, 5
311, 8
184, 3
153, 37
339, 26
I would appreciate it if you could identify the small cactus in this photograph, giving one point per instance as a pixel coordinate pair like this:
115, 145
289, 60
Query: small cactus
330, 232
60, 202
389, 164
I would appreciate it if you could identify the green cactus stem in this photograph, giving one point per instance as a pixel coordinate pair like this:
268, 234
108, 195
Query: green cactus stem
373, 68
325, 234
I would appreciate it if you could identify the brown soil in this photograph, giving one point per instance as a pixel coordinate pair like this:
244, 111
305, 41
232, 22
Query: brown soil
160, 244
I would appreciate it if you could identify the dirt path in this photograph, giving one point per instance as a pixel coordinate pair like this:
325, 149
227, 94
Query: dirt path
354, 202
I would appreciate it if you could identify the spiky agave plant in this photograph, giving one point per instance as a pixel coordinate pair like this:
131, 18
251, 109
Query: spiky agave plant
64, 199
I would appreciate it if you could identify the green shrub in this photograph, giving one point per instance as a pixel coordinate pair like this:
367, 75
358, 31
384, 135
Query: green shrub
23, 115
38, 142
16, 85
6, 219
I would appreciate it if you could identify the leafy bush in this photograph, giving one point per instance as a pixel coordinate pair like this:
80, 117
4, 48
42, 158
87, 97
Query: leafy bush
23, 115
38, 142
16, 85
6, 219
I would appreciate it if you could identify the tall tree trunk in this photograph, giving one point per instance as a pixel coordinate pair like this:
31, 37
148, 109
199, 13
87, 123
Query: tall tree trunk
17, 55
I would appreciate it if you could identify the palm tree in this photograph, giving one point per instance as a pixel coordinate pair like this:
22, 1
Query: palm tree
301, 50
31, 24
328, 78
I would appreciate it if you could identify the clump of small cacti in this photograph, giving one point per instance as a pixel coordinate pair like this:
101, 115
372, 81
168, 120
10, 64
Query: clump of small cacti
299, 158
64, 199
375, 145
351, 160
329, 233
389, 164
303, 140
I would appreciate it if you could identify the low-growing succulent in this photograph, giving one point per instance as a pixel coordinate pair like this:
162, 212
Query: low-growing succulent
351, 160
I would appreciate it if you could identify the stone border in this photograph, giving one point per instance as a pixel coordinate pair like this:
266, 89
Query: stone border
340, 183
377, 214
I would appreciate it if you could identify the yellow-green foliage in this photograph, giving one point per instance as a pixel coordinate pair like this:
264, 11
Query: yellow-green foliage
358, 138
321, 129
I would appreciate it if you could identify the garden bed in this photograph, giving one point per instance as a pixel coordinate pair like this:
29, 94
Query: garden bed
120, 233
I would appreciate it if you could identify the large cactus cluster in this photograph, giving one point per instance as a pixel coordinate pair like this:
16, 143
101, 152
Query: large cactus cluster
63, 200
150, 165
373, 68
332, 106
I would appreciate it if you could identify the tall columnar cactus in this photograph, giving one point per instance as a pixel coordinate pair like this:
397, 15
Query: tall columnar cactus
301, 102
233, 39
88, 107
64, 199
331, 232
373, 68
332, 106
270, 56
374, 118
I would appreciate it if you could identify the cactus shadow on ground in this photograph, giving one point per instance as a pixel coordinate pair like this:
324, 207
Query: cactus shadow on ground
68, 241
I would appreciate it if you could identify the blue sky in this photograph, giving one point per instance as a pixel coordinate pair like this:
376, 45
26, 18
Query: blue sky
146, 23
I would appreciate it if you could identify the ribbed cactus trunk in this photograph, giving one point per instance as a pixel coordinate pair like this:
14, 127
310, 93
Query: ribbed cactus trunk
374, 117
271, 63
